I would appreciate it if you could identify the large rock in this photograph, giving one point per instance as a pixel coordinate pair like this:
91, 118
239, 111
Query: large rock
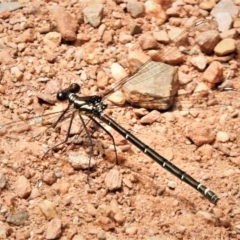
153, 86
9, 6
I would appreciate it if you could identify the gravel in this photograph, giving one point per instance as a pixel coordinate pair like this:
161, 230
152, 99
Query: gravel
47, 45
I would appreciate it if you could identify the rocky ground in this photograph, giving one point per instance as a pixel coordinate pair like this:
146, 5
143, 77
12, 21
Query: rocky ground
47, 45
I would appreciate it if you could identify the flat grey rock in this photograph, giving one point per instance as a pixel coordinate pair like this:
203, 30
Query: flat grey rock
9, 6
80, 160
93, 13
153, 86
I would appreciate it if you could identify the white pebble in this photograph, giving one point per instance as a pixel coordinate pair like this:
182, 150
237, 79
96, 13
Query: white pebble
222, 136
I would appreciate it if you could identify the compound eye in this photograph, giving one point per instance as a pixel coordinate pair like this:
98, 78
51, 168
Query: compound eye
61, 96
74, 88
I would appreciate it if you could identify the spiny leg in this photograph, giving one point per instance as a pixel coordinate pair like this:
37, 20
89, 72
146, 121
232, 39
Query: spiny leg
68, 131
109, 134
61, 116
77, 135
91, 144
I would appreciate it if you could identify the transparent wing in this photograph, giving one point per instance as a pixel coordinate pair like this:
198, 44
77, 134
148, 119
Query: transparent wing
34, 134
189, 102
207, 99
198, 101
171, 54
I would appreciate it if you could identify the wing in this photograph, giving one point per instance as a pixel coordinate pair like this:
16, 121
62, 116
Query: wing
173, 53
35, 133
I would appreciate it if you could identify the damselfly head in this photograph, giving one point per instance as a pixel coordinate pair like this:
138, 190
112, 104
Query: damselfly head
74, 88
63, 95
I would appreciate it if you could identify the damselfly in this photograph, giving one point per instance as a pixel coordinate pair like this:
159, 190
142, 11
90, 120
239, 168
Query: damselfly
93, 106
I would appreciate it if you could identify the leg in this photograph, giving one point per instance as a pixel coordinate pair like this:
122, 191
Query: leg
61, 116
80, 131
91, 144
109, 134
68, 132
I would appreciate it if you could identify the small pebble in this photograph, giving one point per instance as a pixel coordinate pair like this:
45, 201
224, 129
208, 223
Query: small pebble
23, 187
147, 41
117, 98
214, 73
113, 180
151, 117
103, 210
125, 38
226, 46
200, 133
3, 181
153, 9
78, 237
91, 209
208, 217
229, 172
222, 136
66, 24
52, 40
54, 229
34, 193
93, 13
200, 62
64, 187
48, 209
18, 218
131, 230
102, 79
119, 218
80, 160
3, 230
118, 72
49, 177
114, 206
172, 184
106, 223
101, 235
75, 220
127, 182
135, 8
9, 199
161, 36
